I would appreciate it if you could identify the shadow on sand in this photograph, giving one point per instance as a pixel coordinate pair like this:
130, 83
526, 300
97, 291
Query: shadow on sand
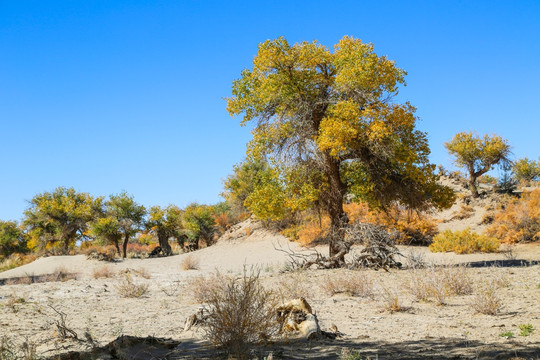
134, 348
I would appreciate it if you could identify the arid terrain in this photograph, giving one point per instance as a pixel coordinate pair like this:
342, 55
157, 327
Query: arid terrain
94, 308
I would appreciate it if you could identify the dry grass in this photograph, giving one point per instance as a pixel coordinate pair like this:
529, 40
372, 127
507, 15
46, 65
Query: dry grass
294, 285
142, 272
391, 301
105, 271
11, 351
60, 274
438, 283
486, 300
243, 313
131, 289
190, 262
202, 288
356, 283
13, 303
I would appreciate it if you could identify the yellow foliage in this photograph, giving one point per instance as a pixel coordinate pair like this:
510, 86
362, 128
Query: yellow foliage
464, 242
519, 221
314, 230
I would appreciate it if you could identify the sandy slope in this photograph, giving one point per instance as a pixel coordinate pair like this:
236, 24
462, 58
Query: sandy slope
423, 330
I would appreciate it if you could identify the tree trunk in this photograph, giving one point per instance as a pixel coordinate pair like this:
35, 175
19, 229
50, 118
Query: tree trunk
164, 244
334, 202
472, 185
117, 246
126, 239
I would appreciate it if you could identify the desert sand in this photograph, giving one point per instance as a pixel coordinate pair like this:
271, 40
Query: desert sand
94, 307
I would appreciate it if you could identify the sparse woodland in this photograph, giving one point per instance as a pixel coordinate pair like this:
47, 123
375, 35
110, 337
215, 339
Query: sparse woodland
382, 253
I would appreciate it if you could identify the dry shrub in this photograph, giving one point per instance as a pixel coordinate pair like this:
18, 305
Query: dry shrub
131, 289
464, 242
519, 221
10, 351
101, 253
350, 283
243, 313
103, 272
202, 287
465, 211
314, 230
391, 300
486, 300
414, 227
190, 263
439, 283
142, 272
294, 285
61, 273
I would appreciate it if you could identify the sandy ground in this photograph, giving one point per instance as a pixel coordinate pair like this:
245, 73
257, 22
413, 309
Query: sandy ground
422, 330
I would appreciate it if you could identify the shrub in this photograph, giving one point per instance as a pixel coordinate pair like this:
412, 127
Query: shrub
243, 313
352, 284
103, 272
294, 285
464, 242
16, 260
190, 263
525, 329
519, 221
131, 289
526, 170
391, 300
486, 300
438, 283
138, 251
101, 253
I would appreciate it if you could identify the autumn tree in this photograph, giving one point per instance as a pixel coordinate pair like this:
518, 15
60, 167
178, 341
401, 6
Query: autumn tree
12, 239
166, 223
478, 155
326, 120
526, 170
199, 223
106, 229
59, 218
124, 217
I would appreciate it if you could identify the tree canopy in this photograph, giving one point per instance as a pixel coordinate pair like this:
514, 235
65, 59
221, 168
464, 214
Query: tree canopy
478, 155
166, 223
12, 239
60, 218
326, 122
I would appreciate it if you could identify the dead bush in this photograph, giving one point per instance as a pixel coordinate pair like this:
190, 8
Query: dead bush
142, 272
243, 313
519, 221
465, 211
202, 288
190, 263
486, 299
131, 289
103, 272
438, 283
11, 351
356, 283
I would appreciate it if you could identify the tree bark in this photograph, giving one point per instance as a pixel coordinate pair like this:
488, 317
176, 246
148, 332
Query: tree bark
126, 239
164, 244
474, 188
334, 202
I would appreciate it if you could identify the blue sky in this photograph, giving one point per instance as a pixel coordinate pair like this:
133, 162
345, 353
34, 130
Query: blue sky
106, 96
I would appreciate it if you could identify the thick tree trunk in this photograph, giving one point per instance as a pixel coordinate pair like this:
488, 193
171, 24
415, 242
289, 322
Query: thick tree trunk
117, 246
334, 202
126, 239
164, 244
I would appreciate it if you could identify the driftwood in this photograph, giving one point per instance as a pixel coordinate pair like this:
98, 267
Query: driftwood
198, 318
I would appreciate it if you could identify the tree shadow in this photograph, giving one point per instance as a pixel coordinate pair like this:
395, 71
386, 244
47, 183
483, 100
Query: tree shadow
502, 263
134, 348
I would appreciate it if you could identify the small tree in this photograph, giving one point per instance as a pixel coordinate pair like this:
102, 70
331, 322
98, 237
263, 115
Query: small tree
128, 215
12, 239
166, 223
478, 155
61, 217
107, 228
526, 170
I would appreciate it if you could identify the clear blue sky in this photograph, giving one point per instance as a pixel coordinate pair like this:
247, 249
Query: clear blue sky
106, 96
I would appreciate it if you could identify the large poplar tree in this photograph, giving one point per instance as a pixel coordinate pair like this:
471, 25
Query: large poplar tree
326, 120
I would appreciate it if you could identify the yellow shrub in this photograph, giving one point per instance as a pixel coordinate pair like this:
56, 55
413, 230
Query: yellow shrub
464, 242
314, 230
519, 221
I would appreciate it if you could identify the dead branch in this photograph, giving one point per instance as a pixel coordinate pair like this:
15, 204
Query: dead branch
63, 331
